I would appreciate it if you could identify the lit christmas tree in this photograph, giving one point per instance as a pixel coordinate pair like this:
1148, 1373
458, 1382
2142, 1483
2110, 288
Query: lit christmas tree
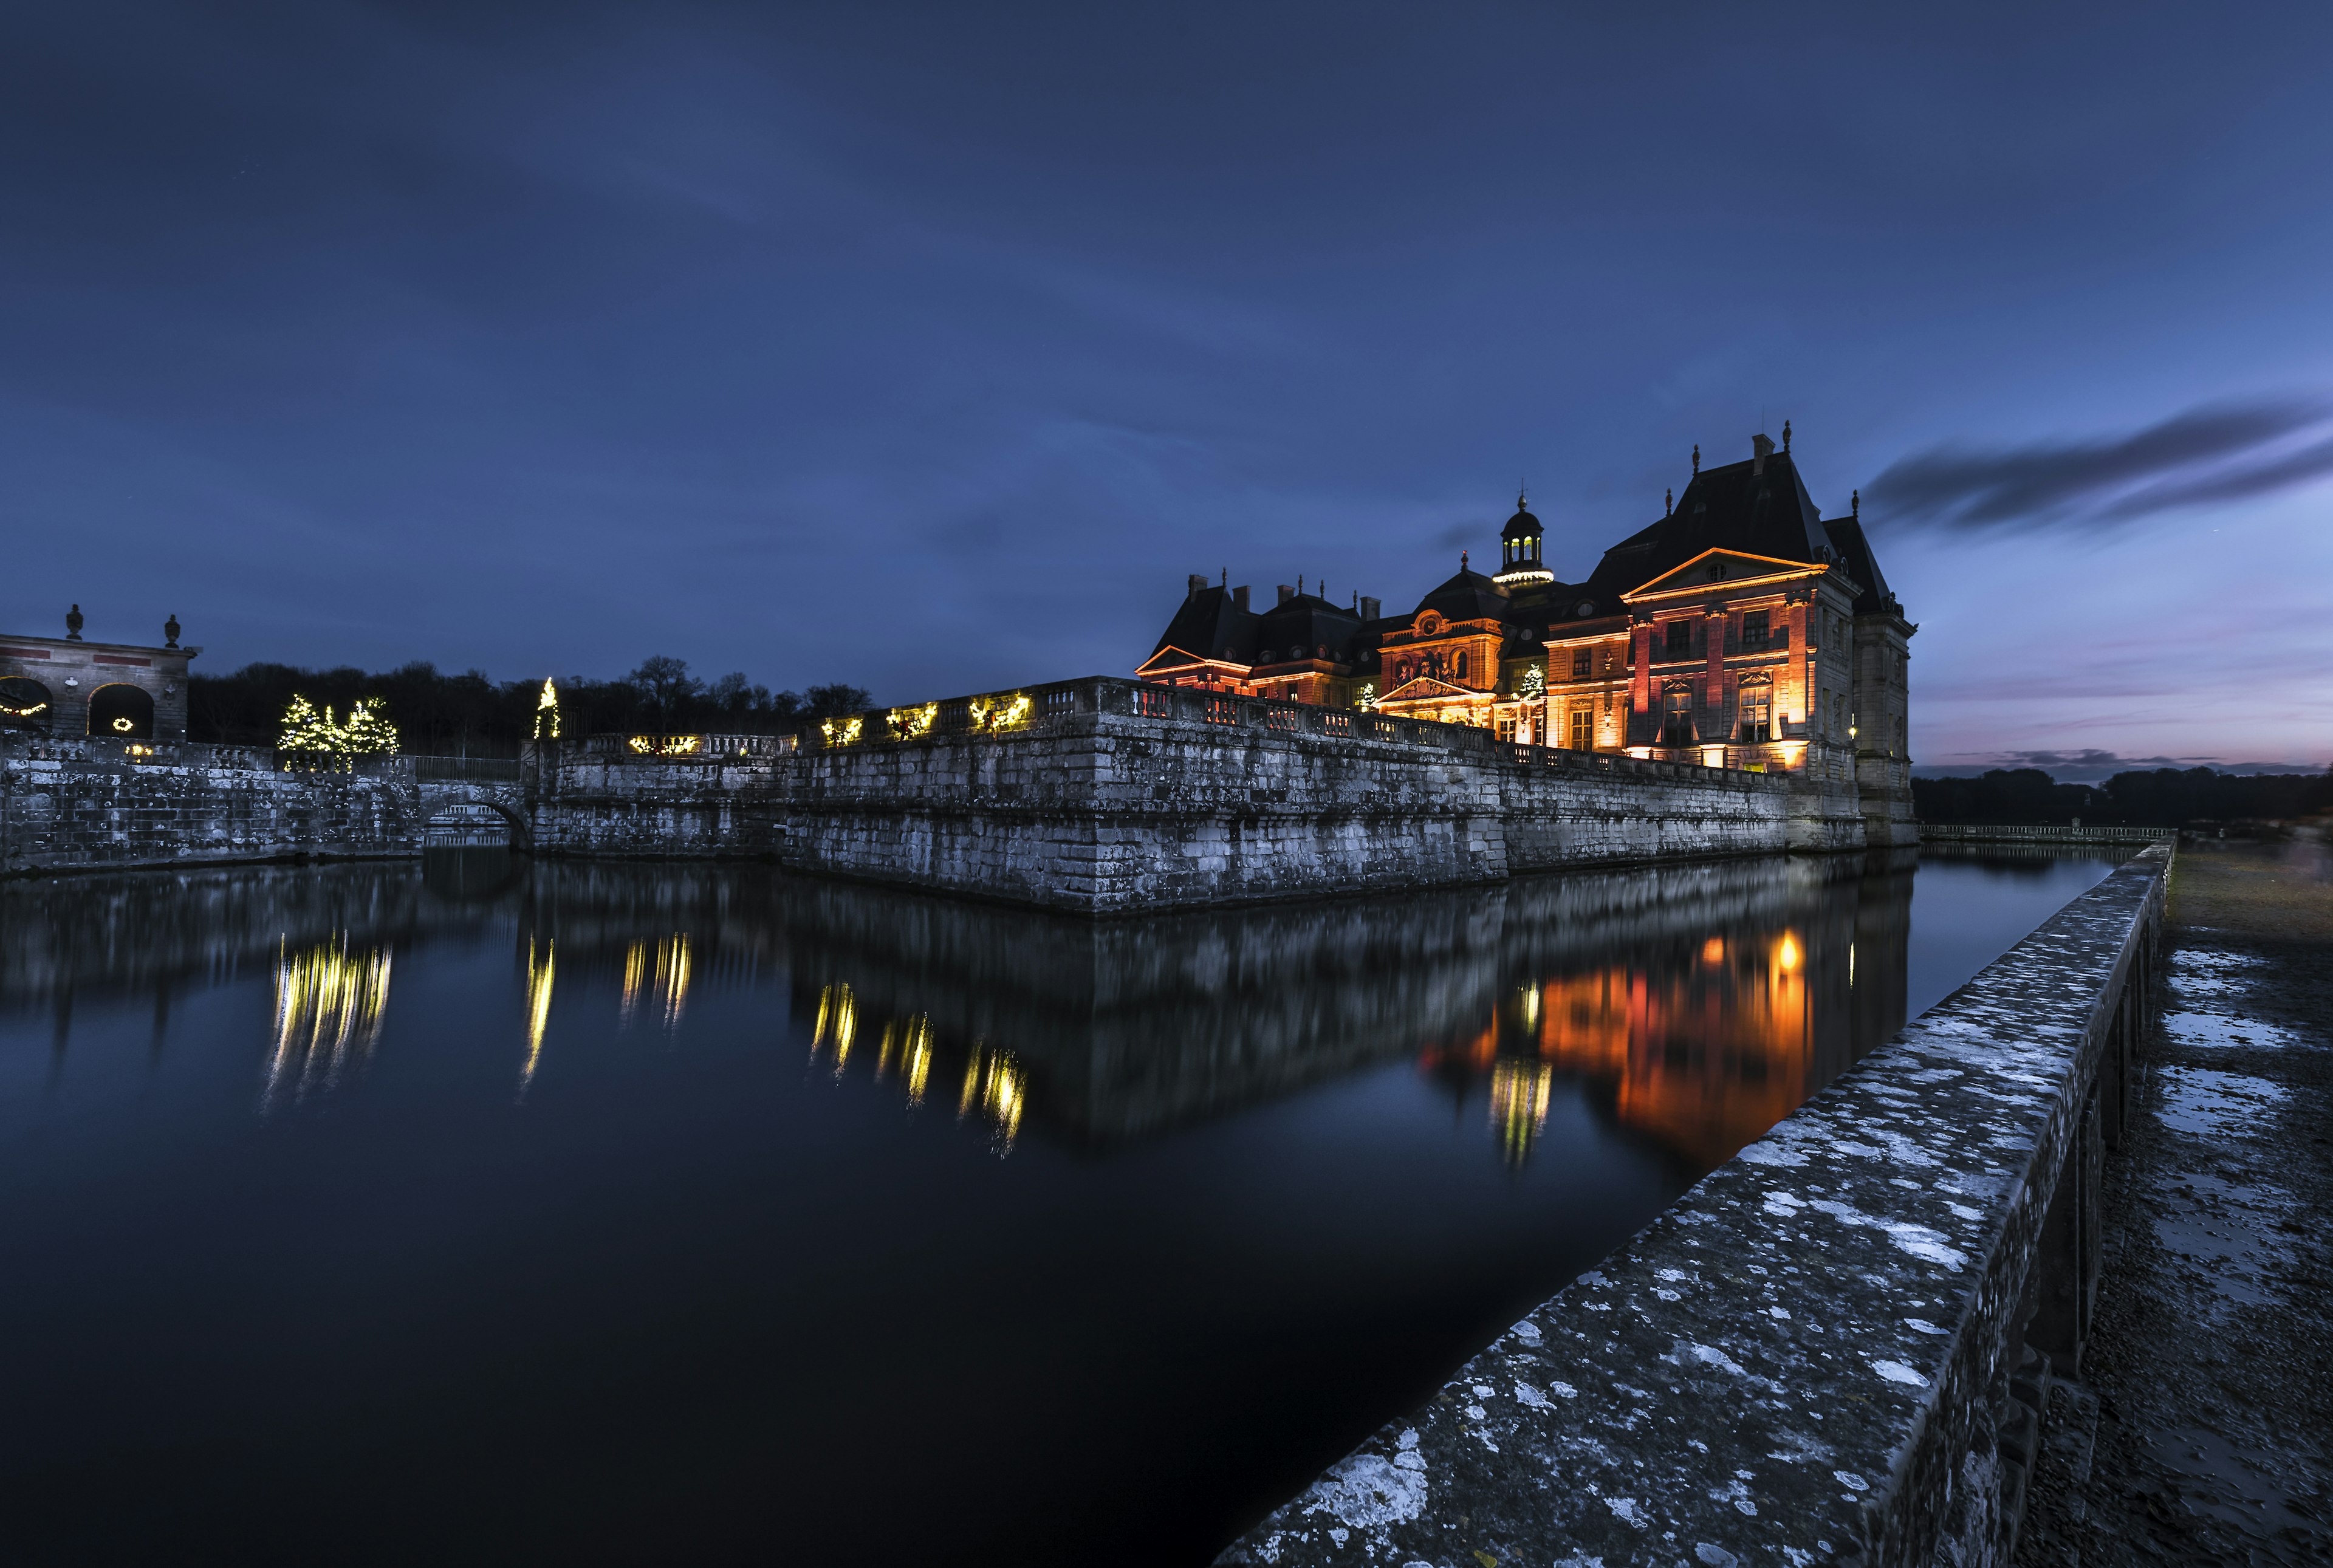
368, 731
546, 713
305, 729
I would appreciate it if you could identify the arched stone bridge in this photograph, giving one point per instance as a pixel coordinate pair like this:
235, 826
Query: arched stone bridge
471, 812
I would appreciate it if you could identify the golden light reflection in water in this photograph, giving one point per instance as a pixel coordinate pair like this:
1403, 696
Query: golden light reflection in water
1518, 1093
329, 1003
657, 971
838, 1023
996, 1085
910, 1045
538, 1007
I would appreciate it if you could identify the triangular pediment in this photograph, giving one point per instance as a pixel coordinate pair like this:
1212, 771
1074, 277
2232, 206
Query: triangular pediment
1720, 566
1426, 687
1169, 658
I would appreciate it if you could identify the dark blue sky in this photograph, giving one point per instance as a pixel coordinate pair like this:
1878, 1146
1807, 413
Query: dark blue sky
930, 349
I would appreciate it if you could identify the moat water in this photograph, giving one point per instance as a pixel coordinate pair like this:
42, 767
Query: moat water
490, 1211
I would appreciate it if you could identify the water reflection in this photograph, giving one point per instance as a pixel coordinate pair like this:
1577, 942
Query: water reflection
995, 1085
539, 977
329, 1002
1693, 1005
658, 972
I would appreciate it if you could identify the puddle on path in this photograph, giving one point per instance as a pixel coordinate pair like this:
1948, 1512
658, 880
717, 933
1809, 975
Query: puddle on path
2200, 1100
2225, 1031
2231, 1481
2232, 1233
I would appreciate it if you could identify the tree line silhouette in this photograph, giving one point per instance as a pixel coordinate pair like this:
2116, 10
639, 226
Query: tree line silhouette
469, 715
2163, 797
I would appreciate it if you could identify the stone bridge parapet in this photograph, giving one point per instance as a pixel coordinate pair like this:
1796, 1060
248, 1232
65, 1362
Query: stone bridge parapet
1833, 1347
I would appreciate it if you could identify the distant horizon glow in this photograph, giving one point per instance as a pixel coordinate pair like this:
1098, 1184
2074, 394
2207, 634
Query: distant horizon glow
930, 351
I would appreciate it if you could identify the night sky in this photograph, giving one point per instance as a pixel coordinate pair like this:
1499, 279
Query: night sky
929, 350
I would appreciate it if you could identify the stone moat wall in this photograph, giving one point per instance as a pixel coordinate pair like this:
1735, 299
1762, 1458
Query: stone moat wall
1115, 796
1099, 796
1835, 1347
90, 804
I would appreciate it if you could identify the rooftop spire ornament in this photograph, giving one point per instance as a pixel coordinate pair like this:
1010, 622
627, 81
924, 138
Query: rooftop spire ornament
170, 631
1855, 503
1696, 457
1668, 502
74, 624
1786, 434
1462, 562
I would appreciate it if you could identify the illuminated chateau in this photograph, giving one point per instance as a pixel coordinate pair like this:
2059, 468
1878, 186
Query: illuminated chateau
1740, 630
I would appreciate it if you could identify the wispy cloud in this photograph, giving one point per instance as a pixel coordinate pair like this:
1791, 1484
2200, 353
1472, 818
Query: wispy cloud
2217, 452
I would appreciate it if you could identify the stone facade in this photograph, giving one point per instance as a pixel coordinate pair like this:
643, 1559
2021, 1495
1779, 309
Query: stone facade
48, 685
1743, 630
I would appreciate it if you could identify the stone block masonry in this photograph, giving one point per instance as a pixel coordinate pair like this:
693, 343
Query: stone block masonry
1113, 795
84, 804
1828, 1350
1097, 797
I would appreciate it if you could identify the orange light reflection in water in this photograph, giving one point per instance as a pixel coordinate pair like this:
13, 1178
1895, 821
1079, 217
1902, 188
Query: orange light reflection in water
1703, 1054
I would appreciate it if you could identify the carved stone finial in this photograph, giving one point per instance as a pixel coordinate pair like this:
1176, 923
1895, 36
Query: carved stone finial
1668, 502
74, 624
170, 631
1786, 434
1855, 503
1696, 457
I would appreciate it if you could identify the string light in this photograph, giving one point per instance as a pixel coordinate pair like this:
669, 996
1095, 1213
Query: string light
546, 712
841, 732
913, 723
366, 733
996, 713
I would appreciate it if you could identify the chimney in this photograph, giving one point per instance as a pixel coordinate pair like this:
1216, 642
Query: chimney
1198, 580
1287, 592
1763, 447
1368, 608
1239, 596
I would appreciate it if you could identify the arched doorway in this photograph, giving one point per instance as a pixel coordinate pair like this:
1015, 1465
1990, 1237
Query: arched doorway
122, 712
25, 705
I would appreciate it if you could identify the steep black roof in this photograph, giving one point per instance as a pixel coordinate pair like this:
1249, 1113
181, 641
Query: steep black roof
1469, 596
1764, 510
1307, 623
1212, 626
1855, 553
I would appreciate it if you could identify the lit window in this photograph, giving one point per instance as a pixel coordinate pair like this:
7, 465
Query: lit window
1757, 715
1676, 721
1583, 728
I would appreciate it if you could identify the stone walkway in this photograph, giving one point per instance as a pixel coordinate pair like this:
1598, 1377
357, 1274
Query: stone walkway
2200, 1428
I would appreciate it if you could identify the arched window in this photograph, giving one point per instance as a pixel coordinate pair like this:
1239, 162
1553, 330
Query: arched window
1459, 670
25, 705
122, 712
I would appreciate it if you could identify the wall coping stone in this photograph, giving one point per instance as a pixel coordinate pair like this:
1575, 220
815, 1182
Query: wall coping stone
1792, 1364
